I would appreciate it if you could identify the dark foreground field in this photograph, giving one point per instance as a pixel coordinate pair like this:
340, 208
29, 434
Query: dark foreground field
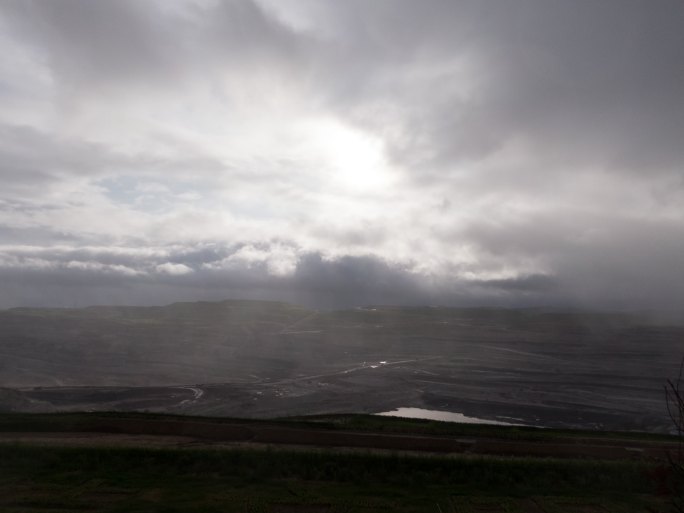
123, 462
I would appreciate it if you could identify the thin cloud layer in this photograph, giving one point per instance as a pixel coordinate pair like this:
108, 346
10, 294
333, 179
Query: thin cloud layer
340, 153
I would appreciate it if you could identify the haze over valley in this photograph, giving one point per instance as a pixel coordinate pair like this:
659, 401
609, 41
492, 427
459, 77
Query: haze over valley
269, 359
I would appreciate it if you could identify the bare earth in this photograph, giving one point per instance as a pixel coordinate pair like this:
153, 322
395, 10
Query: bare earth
267, 360
165, 434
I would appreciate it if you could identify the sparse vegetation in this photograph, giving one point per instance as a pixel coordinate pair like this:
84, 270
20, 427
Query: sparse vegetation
266, 478
59, 422
674, 396
116, 480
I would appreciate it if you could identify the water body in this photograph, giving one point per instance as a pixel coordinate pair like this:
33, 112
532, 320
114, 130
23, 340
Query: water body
420, 413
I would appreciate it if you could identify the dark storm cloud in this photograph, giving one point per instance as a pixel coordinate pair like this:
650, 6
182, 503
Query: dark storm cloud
536, 150
32, 159
96, 42
587, 82
594, 82
109, 275
98, 47
80, 277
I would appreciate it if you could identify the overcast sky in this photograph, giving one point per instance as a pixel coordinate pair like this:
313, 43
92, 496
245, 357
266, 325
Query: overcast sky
332, 153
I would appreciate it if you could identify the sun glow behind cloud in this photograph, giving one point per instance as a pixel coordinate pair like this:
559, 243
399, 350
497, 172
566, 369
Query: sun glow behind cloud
449, 140
352, 161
